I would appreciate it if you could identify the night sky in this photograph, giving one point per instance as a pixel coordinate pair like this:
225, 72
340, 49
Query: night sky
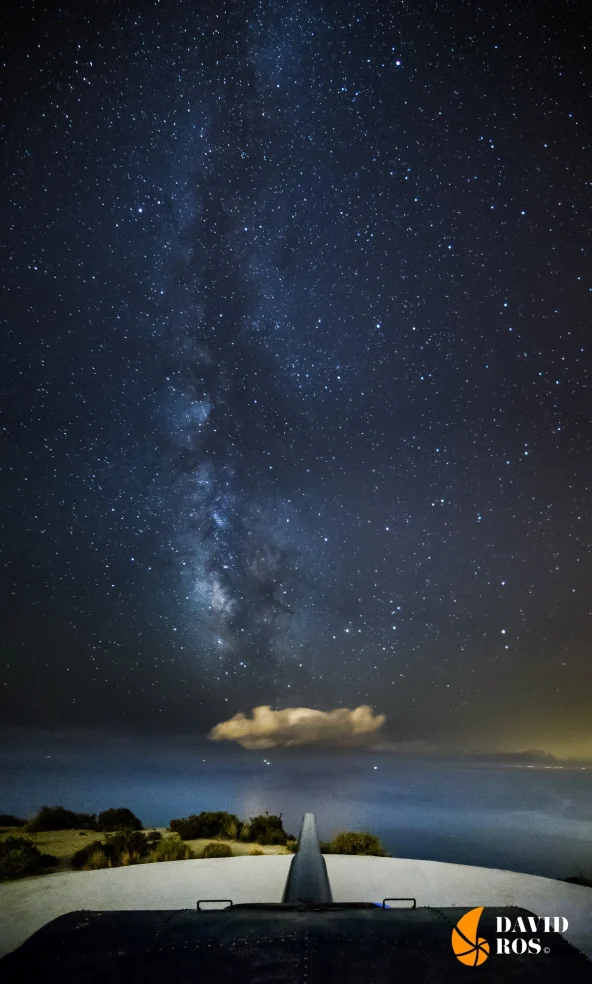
295, 371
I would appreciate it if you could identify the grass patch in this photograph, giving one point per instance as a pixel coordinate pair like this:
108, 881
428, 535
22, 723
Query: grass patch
63, 844
238, 848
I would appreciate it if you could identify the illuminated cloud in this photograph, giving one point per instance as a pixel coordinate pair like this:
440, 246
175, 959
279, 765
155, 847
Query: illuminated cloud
299, 726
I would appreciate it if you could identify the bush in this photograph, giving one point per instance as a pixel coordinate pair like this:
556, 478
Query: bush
267, 830
153, 836
356, 842
98, 859
216, 849
7, 820
127, 841
128, 857
292, 844
255, 852
172, 849
82, 858
20, 857
57, 818
216, 824
118, 817
123, 847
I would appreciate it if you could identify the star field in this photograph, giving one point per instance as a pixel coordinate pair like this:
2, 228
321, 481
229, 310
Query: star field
296, 373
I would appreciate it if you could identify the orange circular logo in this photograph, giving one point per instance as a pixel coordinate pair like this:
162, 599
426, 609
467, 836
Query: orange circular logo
468, 947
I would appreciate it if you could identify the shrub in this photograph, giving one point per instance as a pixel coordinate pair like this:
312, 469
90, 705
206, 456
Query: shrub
118, 817
7, 820
292, 844
356, 842
57, 818
120, 848
82, 858
172, 849
98, 859
267, 830
153, 836
216, 849
127, 840
20, 857
255, 852
215, 824
129, 857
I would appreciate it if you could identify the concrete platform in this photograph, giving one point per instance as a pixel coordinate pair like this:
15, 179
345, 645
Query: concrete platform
28, 904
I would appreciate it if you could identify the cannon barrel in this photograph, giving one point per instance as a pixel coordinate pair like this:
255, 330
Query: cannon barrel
307, 879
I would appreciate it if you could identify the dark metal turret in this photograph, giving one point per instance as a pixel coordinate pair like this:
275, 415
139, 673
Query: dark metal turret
307, 879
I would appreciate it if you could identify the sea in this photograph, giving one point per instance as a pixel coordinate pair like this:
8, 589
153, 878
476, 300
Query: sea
529, 818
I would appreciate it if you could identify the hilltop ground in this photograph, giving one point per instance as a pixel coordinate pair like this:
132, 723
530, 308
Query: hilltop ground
63, 844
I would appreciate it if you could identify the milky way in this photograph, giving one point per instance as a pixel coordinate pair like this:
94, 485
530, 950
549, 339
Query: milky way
296, 366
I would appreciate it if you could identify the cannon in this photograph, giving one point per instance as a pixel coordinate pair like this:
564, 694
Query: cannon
307, 938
